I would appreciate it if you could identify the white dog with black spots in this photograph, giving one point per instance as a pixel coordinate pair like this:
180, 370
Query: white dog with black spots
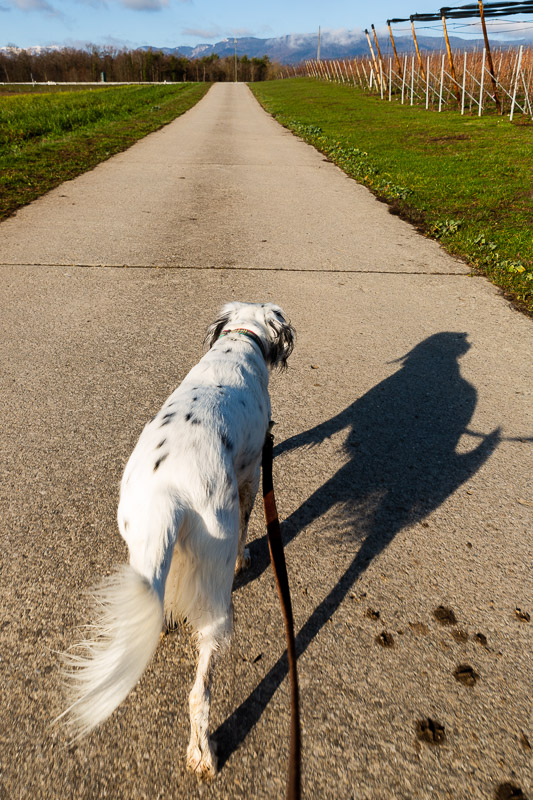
185, 501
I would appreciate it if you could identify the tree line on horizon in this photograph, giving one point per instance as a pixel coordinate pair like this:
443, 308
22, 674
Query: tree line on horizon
108, 64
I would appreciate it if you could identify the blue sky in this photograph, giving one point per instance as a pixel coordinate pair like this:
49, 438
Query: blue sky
170, 23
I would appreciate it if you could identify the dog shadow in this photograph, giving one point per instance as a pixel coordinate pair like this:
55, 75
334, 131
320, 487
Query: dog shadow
401, 463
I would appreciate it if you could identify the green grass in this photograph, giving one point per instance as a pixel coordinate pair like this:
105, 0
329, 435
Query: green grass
48, 138
9, 89
467, 181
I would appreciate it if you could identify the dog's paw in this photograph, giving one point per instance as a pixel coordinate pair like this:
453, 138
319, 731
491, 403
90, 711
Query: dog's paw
244, 562
202, 761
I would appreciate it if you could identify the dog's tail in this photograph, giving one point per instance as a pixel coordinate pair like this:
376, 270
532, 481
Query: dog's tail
122, 642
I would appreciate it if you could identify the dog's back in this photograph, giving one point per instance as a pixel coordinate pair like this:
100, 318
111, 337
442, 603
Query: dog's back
179, 501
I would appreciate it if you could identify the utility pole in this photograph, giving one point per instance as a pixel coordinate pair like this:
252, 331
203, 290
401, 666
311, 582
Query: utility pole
235, 42
318, 46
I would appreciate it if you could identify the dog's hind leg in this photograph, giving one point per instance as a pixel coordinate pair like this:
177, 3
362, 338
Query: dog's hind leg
214, 544
201, 758
247, 493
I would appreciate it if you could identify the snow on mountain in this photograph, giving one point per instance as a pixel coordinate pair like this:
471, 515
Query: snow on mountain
296, 47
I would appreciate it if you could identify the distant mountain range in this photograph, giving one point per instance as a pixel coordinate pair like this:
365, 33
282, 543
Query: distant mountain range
294, 48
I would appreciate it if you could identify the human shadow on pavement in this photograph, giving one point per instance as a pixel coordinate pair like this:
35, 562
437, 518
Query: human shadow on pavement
402, 463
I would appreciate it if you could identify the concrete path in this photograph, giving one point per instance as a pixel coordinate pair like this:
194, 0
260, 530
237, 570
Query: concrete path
403, 474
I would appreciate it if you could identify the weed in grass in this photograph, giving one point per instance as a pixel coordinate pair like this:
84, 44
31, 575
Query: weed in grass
445, 227
461, 179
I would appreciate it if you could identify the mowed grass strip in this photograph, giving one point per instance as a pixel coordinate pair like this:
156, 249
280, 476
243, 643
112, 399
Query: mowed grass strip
467, 181
48, 138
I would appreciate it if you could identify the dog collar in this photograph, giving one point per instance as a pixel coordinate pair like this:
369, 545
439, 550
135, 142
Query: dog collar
250, 334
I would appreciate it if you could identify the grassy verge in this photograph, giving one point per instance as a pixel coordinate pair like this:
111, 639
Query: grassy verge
467, 181
10, 89
48, 138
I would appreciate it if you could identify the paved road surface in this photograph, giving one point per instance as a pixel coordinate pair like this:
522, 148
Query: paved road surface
403, 474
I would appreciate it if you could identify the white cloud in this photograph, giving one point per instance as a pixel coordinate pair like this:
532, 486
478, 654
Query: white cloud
34, 5
148, 5
94, 3
203, 33
145, 5
216, 32
39, 6
241, 32
341, 36
134, 5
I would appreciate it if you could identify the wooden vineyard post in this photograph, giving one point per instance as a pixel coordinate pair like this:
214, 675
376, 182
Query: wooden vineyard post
364, 73
380, 59
489, 57
450, 58
390, 79
481, 83
416, 47
394, 49
516, 82
526, 91
441, 83
372, 52
403, 76
345, 71
412, 79
427, 85
351, 79
340, 72
464, 86
359, 74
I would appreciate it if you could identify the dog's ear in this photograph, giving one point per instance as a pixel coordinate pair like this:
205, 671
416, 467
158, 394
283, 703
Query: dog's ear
281, 342
215, 329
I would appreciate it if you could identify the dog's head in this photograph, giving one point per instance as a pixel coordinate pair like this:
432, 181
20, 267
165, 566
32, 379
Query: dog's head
266, 320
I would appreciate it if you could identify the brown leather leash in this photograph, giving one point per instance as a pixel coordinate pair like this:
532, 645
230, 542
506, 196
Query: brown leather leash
277, 556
